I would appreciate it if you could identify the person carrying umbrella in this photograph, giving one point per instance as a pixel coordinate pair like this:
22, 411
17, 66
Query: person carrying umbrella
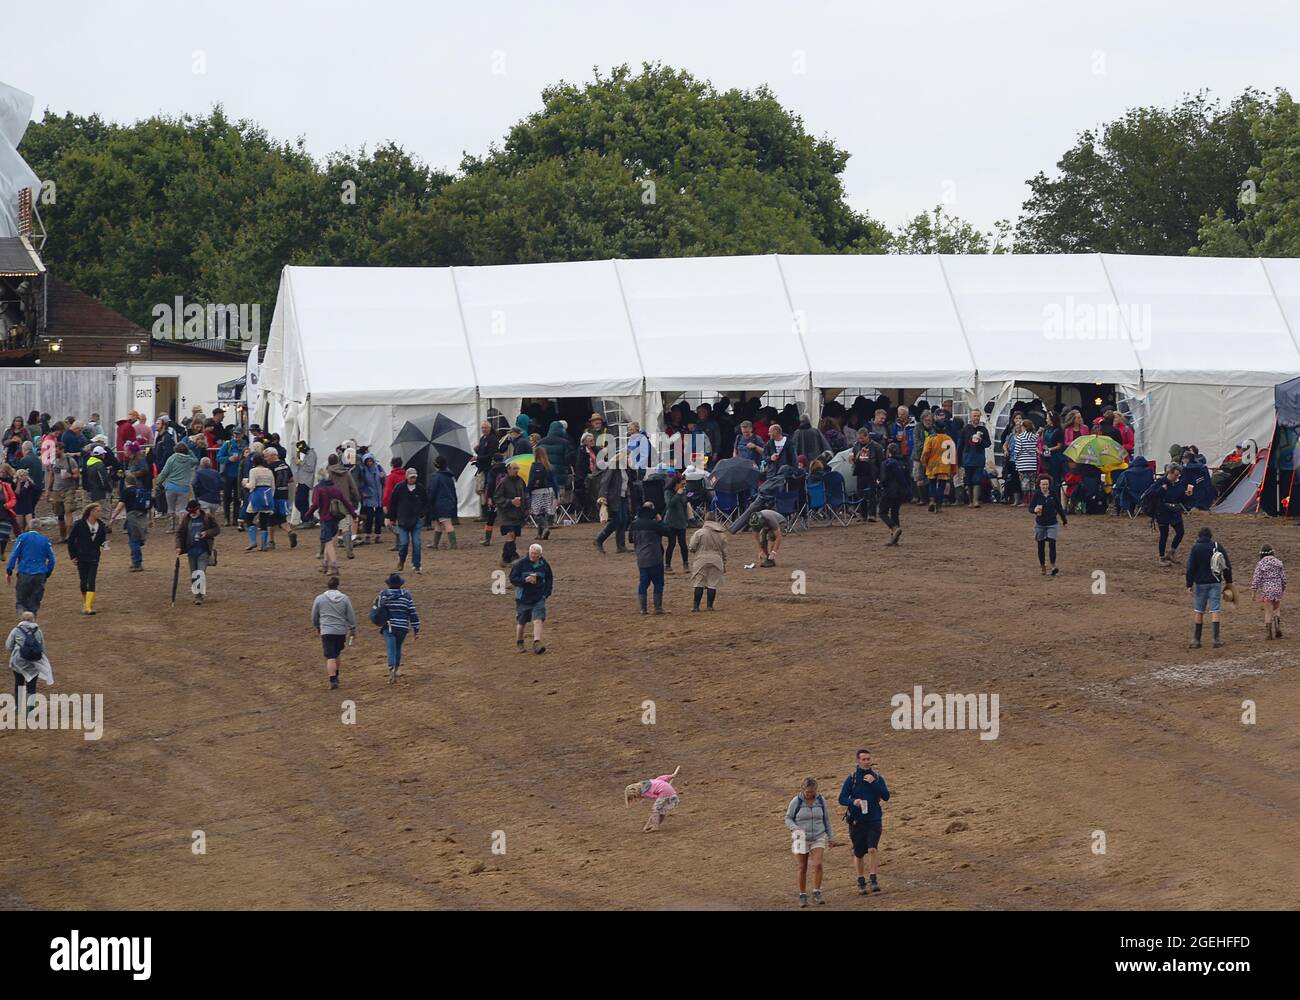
443, 503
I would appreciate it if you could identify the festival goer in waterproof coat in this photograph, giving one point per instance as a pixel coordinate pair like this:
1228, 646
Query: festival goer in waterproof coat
808, 441
85, 541
1205, 585
1133, 483
560, 450
508, 498
895, 487
443, 504
372, 499
646, 532
406, 506
1169, 495
864, 787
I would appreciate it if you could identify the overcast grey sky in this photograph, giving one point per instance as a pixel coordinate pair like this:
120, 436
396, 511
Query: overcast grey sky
966, 98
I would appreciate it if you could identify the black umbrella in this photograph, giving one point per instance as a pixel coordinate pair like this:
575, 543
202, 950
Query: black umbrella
419, 442
735, 475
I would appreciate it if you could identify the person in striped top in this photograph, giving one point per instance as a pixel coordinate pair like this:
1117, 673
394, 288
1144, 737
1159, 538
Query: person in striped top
1025, 443
399, 619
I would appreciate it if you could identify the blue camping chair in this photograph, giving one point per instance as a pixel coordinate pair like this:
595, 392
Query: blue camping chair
837, 500
727, 505
1132, 485
786, 503
817, 508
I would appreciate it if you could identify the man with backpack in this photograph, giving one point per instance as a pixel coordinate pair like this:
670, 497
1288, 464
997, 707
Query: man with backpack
861, 795
33, 556
1208, 570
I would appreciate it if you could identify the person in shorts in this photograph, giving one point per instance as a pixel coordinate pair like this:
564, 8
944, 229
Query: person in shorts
809, 821
861, 795
533, 581
335, 620
765, 528
1208, 572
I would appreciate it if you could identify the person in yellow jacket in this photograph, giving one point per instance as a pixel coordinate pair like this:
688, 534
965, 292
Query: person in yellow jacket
939, 459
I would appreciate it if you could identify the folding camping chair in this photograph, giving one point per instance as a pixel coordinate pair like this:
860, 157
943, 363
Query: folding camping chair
786, 503
837, 501
567, 509
817, 509
728, 505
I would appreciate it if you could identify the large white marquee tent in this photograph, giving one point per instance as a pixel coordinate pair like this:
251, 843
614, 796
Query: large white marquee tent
1193, 345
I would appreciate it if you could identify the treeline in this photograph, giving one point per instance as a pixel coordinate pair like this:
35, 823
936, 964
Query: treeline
646, 164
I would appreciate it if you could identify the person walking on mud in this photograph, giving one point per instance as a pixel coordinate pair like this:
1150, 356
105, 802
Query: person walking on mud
533, 580
1046, 507
894, 490
85, 541
335, 621
394, 612
809, 821
1208, 572
861, 795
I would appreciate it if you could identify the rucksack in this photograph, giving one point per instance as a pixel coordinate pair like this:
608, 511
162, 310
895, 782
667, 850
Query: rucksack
31, 649
1218, 562
379, 612
338, 509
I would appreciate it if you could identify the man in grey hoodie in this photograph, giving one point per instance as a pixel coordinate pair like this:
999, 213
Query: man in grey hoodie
333, 617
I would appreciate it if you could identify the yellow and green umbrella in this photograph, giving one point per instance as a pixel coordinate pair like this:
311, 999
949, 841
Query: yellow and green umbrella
1095, 449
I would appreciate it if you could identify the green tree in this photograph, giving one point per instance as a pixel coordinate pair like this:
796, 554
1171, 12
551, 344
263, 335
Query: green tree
1269, 200
939, 232
1144, 183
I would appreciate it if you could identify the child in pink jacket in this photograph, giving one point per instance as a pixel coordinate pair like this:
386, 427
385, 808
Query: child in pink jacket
660, 790
1269, 584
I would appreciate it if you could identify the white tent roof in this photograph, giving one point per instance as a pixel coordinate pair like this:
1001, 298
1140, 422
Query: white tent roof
369, 335
869, 320
713, 323
1027, 317
1212, 320
1284, 279
608, 328
548, 329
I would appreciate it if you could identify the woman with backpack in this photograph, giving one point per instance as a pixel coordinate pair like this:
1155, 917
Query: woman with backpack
809, 821
394, 612
27, 658
85, 542
328, 501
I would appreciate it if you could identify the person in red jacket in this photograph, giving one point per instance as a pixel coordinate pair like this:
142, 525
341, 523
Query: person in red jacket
396, 476
125, 433
1125, 432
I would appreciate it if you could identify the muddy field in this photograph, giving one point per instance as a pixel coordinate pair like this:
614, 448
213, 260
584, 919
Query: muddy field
218, 719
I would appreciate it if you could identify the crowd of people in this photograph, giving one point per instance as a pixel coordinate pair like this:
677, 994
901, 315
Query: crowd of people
208, 474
